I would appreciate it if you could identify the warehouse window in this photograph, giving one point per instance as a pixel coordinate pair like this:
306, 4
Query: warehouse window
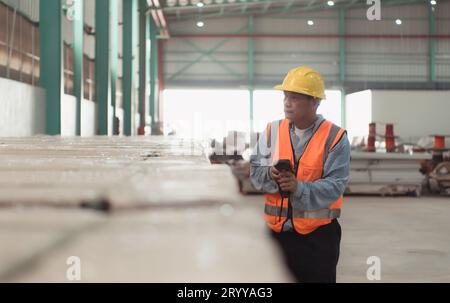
268, 106
205, 113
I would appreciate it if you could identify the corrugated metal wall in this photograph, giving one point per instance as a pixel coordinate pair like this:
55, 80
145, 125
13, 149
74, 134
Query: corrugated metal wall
19, 46
223, 61
371, 59
20, 71
443, 46
387, 59
29, 8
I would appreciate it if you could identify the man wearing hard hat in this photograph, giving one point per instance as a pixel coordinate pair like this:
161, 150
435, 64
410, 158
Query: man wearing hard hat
303, 200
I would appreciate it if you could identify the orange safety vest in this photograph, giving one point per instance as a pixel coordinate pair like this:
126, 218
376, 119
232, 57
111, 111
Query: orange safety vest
309, 169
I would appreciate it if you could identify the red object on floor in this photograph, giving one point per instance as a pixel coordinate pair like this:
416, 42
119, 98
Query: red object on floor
439, 142
371, 138
390, 139
389, 130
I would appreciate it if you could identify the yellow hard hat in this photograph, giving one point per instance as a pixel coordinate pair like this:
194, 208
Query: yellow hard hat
303, 80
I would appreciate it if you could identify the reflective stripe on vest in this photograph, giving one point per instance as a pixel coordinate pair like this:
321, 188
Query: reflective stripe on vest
272, 210
310, 169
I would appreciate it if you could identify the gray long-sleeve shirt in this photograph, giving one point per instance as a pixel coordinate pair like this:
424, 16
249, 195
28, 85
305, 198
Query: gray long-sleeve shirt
309, 196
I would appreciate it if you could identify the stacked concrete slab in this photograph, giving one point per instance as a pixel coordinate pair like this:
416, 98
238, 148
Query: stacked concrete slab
131, 209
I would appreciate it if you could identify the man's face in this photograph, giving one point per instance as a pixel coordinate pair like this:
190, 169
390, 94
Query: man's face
298, 106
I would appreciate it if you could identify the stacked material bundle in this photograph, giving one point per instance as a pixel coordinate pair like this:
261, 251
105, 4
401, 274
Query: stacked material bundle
386, 173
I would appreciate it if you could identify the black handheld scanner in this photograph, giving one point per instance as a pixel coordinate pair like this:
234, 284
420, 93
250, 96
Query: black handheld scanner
283, 165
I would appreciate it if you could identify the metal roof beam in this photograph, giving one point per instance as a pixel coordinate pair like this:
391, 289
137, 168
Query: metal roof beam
298, 9
288, 6
225, 4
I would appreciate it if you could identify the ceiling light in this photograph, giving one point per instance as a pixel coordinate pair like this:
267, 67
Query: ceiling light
200, 4
310, 22
398, 22
200, 24
433, 2
330, 3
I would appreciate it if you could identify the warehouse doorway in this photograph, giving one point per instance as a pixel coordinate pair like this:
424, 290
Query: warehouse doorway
208, 114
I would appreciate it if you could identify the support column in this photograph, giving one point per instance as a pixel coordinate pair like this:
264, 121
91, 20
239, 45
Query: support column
129, 15
160, 84
343, 109
102, 64
342, 46
251, 67
143, 64
153, 72
51, 62
78, 39
148, 67
342, 62
432, 42
114, 29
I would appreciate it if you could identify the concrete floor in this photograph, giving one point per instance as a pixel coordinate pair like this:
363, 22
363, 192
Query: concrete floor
409, 235
175, 218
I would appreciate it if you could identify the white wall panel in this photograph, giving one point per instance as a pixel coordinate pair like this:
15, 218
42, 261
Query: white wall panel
414, 113
88, 118
22, 109
68, 118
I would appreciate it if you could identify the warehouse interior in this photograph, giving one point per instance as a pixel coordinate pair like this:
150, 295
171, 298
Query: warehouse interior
126, 128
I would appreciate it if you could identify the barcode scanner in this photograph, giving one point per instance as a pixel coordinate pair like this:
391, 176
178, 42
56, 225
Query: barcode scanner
283, 165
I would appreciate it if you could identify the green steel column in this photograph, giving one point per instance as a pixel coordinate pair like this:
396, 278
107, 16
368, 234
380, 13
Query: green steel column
153, 70
342, 62
51, 62
251, 67
102, 64
136, 69
78, 35
114, 29
432, 42
143, 64
342, 46
129, 16
343, 109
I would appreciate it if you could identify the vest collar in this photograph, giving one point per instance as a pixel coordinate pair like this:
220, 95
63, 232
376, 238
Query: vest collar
319, 120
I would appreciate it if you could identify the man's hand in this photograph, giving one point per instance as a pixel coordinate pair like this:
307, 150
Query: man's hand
287, 181
276, 175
